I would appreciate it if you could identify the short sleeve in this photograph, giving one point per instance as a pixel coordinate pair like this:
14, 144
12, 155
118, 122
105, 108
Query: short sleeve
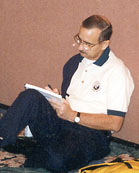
120, 88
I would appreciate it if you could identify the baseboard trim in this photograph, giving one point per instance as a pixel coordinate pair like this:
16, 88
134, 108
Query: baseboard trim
124, 142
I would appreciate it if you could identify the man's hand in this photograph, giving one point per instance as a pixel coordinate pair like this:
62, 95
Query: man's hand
63, 110
55, 90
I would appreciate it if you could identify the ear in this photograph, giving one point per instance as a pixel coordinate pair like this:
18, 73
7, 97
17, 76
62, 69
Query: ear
105, 44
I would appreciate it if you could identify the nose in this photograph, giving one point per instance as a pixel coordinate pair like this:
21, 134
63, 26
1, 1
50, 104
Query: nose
80, 47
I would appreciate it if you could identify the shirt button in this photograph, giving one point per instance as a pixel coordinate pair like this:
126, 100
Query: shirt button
82, 81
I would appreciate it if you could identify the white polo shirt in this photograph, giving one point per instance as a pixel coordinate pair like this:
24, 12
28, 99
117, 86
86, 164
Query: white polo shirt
101, 89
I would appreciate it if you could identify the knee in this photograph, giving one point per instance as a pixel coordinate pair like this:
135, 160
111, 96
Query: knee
29, 93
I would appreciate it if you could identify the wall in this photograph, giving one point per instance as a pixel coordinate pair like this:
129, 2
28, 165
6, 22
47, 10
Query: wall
36, 39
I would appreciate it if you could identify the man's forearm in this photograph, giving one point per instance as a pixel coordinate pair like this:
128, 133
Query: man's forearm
95, 121
101, 121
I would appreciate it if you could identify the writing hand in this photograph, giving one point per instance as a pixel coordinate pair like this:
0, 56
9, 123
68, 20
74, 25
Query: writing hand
49, 88
63, 110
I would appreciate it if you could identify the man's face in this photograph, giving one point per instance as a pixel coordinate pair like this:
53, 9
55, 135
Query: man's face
94, 51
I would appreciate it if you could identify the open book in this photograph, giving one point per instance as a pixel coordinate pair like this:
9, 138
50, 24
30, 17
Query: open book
47, 94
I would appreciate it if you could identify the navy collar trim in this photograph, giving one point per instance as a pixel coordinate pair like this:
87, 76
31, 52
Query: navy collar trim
103, 58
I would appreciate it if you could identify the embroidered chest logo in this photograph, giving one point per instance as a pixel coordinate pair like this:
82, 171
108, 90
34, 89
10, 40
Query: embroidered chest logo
96, 86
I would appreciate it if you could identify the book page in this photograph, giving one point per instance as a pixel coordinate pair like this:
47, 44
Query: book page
47, 94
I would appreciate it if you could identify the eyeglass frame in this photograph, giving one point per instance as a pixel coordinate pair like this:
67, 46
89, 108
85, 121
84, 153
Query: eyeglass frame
89, 45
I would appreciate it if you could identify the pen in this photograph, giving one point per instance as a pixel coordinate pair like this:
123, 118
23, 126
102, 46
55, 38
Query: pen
50, 86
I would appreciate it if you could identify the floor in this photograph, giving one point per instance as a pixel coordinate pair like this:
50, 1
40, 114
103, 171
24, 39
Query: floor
25, 144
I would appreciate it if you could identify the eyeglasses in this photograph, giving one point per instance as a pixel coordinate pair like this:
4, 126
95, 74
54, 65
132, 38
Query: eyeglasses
85, 44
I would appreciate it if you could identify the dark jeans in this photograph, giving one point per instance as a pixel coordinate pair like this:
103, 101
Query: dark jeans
63, 145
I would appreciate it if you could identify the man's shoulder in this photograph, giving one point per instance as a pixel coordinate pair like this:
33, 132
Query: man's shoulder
117, 65
74, 60
115, 61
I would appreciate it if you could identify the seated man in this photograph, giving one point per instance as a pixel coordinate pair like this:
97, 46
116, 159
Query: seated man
96, 92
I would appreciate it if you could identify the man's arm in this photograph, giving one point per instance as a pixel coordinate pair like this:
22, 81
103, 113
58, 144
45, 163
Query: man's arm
102, 121
95, 121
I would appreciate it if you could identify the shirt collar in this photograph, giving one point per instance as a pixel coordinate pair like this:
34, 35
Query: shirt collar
103, 58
